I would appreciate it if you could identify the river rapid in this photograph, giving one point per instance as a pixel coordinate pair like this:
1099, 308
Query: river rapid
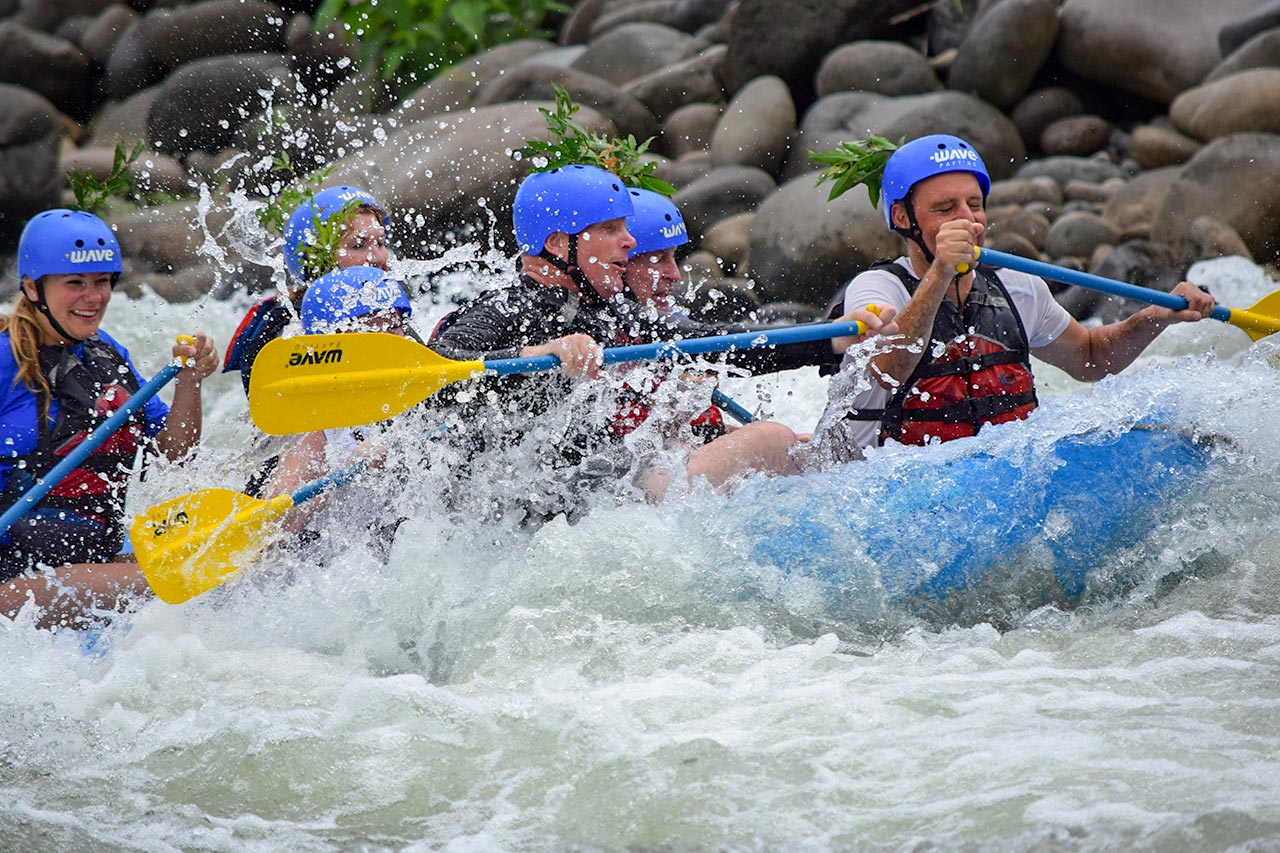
608, 684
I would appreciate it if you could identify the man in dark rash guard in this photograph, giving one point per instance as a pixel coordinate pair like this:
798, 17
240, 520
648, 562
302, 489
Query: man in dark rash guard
571, 226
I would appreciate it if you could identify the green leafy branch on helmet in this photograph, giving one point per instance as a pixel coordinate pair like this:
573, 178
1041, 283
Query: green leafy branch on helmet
92, 194
573, 145
287, 196
853, 163
320, 251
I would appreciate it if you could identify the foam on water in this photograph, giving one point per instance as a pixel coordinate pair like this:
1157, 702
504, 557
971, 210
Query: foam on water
603, 684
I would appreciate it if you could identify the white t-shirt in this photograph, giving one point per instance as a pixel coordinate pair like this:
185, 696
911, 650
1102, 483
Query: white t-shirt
1042, 317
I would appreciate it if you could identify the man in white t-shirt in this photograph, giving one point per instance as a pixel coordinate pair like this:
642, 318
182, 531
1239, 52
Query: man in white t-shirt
980, 325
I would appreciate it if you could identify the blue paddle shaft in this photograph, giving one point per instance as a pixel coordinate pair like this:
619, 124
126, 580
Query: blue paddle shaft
735, 409
691, 346
337, 478
86, 447
1094, 282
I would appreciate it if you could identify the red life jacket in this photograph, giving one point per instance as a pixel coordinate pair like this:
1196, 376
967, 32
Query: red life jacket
82, 518
634, 405
983, 375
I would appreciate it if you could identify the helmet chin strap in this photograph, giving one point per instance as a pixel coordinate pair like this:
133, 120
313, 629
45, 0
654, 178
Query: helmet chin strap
914, 234
43, 308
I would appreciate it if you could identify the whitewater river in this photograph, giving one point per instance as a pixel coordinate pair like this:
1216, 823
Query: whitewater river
610, 685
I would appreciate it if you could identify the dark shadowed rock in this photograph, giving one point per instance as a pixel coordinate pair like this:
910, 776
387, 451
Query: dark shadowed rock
692, 15
47, 15
721, 193
1153, 48
1213, 238
1077, 135
456, 87
45, 64
203, 103
852, 115
756, 127
101, 35
576, 28
804, 247
694, 80
1028, 224
131, 67
1248, 101
215, 28
1235, 33
533, 82
949, 24
1261, 51
30, 179
633, 11
1005, 49
633, 50
1078, 234
684, 170
1041, 108
885, 67
1139, 262
126, 119
1234, 180
689, 128
790, 41
320, 61
151, 172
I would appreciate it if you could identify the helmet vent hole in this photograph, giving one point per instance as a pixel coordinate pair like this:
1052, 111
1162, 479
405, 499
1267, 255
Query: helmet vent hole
79, 244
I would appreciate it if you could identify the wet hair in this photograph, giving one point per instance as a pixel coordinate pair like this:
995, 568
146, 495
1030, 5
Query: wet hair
23, 326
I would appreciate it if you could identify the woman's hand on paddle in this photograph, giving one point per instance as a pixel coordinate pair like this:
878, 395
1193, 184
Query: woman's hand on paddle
1199, 304
579, 354
879, 322
199, 358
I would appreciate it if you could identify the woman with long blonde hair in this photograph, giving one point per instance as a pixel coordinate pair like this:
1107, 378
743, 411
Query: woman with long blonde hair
61, 376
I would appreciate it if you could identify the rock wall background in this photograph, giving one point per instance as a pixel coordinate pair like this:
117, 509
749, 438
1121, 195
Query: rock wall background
1130, 139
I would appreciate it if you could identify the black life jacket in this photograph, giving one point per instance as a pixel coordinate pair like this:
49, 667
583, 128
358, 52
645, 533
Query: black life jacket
982, 376
80, 520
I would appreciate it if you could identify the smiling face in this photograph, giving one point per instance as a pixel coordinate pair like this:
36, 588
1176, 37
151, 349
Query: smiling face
943, 198
364, 242
652, 278
602, 254
77, 302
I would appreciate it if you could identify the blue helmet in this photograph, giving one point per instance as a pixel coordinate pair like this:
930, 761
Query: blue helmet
568, 199
348, 293
61, 241
656, 223
298, 230
923, 158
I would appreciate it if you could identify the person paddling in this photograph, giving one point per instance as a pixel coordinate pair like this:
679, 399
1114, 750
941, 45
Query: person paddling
571, 226
969, 330
61, 376
363, 225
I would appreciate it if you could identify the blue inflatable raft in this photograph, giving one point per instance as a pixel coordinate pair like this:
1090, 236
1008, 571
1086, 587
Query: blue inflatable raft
926, 526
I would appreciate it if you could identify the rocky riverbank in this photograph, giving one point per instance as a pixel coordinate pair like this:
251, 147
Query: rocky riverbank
1130, 139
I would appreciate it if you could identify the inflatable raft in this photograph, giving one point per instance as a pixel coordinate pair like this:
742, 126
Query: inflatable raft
928, 525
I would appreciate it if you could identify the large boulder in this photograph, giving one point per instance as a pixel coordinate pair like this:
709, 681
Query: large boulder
531, 82
1236, 33
202, 104
1232, 179
48, 65
853, 115
756, 127
215, 28
1248, 101
30, 179
804, 247
721, 193
453, 175
790, 41
47, 15
1153, 48
885, 67
1261, 51
456, 86
695, 80
1005, 49
633, 50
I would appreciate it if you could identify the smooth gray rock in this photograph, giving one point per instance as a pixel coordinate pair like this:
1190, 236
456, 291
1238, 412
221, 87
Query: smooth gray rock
203, 103
689, 128
720, 193
30, 179
756, 127
1005, 49
633, 50
885, 67
1241, 103
533, 82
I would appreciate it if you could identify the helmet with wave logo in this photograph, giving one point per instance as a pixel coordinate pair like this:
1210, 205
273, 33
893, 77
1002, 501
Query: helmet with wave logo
569, 199
299, 231
656, 223
923, 158
61, 242
334, 300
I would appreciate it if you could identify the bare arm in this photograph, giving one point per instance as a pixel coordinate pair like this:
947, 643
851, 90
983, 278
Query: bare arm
1090, 354
182, 428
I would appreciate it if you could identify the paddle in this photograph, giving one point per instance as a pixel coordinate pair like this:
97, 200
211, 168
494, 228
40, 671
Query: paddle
314, 382
104, 431
1262, 319
734, 409
191, 544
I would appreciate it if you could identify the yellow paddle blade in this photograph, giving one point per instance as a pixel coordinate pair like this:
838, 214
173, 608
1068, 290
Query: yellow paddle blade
1262, 318
314, 382
191, 544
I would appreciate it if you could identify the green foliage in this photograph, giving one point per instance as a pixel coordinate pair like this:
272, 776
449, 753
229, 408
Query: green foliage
853, 163
573, 144
289, 195
413, 39
92, 194
320, 253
